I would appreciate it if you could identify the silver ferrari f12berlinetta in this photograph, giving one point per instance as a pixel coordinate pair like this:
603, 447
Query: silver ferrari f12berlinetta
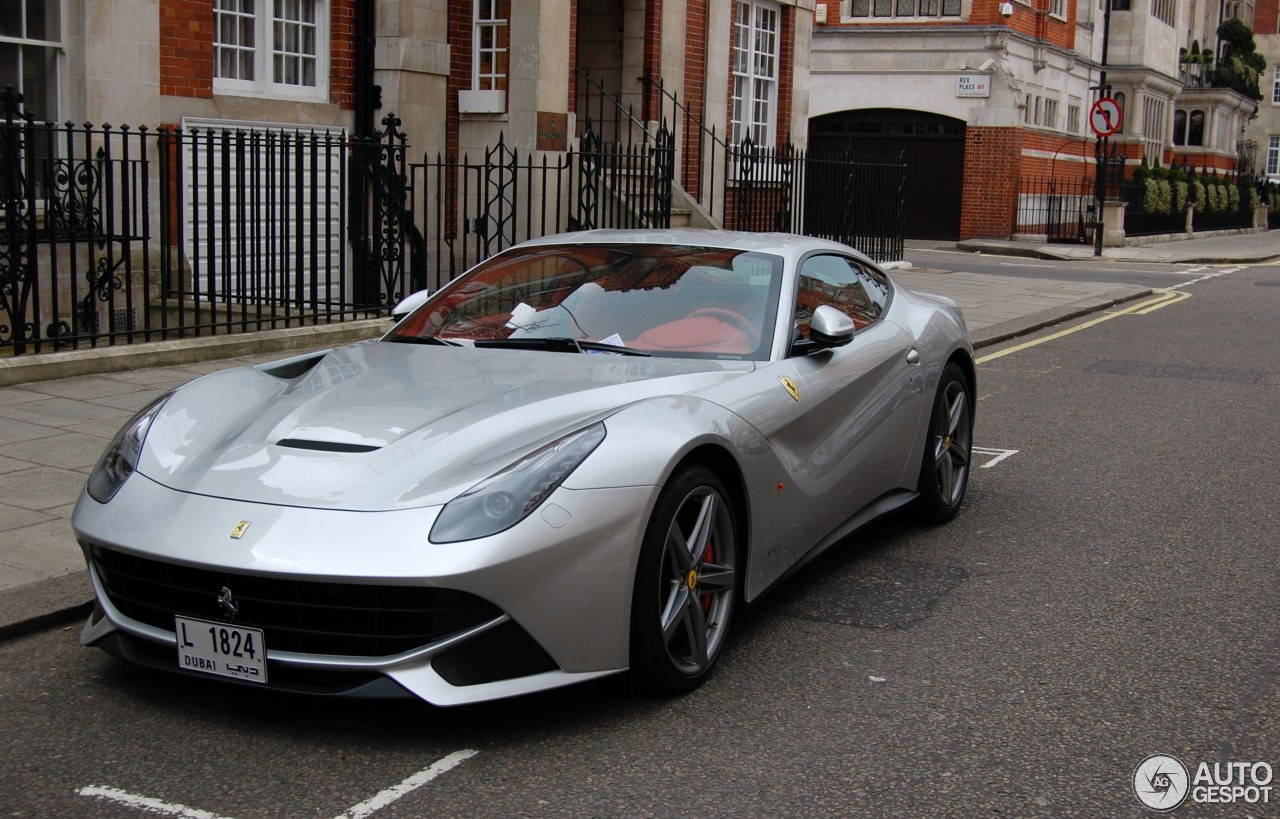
582, 457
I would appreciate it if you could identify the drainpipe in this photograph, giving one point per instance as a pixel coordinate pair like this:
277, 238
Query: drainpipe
368, 98
368, 95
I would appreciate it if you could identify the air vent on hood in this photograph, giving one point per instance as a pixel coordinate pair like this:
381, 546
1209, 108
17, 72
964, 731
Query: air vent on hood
325, 446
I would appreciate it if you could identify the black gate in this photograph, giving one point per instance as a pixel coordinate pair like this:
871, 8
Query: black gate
1061, 210
931, 146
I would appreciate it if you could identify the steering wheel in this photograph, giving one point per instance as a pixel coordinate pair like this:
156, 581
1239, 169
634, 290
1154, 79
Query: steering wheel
732, 317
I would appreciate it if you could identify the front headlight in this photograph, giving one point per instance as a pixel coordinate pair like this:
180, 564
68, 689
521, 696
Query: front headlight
121, 457
502, 500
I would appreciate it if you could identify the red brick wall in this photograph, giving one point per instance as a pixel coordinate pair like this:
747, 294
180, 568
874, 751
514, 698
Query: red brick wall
459, 70
1064, 160
1264, 17
695, 76
573, 57
652, 55
992, 169
786, 72
342, 53
186, 50
1031, 19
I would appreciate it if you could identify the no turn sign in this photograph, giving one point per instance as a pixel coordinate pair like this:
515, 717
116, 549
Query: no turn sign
1105, 117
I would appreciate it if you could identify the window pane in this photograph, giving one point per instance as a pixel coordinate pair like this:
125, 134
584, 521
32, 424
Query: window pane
42, 19
9, 65
951, 8
10, 19
40, 82
1195, 128
861, 8
906, 8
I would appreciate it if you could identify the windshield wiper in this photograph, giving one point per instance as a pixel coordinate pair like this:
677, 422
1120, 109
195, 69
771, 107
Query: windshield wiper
444, 342
559, 344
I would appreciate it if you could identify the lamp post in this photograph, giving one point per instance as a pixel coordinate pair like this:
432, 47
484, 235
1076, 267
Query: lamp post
1100, 144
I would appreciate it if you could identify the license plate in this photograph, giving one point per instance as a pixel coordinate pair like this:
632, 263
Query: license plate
222, 649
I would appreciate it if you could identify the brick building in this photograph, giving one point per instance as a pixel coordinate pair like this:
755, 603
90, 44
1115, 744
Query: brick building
459, 74
1264, 130
983, 94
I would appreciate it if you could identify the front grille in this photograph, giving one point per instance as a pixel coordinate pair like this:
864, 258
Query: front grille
313, 617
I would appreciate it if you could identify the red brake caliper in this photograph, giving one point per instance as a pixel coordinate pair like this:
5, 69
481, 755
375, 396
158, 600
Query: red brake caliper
707, 557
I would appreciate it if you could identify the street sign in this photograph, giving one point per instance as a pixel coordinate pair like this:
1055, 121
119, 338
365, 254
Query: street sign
1105, 117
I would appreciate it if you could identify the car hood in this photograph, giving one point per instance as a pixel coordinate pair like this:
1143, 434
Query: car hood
380, 426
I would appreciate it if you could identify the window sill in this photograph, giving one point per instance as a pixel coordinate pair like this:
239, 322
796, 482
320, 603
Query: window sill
482, 102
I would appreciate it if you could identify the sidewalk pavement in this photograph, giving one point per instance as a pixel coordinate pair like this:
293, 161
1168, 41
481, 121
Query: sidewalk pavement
59, 410
1227, 247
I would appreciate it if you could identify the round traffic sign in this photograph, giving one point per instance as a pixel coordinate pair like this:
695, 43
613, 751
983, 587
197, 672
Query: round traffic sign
1105, 117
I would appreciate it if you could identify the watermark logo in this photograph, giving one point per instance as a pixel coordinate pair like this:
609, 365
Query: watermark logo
1161, 782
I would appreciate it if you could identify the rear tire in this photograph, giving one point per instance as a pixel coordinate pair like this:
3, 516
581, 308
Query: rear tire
686, 585
948, 448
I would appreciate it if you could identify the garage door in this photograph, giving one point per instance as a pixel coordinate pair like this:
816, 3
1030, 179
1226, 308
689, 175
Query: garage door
934, 148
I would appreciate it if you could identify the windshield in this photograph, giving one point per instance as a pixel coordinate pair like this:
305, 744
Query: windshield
690, 302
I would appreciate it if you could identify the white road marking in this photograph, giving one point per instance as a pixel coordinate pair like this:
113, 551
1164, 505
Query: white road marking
422, 777
1224, 272
361, 811
146, 803
999, 455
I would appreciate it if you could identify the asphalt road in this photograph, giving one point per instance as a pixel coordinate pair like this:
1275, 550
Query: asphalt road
1109, 592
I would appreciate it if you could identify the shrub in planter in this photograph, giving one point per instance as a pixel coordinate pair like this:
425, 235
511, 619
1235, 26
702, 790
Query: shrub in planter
1200, 195
1157, 196
1180, 192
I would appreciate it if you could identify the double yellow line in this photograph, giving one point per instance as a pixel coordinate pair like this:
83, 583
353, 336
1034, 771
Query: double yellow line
1164, 298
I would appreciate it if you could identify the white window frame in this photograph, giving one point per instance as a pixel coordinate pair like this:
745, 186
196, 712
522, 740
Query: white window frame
488, 92
1051, 113
59, 74
756, 71
1275, 87
263, 83
1273, 156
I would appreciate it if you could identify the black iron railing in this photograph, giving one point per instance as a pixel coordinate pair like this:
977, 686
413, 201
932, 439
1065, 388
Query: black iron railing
117, 235
1059, 209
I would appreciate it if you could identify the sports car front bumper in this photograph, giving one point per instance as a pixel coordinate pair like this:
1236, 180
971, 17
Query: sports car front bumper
336, 593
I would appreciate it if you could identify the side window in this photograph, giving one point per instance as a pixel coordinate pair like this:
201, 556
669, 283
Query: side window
857, 291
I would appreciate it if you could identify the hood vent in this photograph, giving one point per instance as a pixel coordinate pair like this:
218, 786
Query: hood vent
325, 446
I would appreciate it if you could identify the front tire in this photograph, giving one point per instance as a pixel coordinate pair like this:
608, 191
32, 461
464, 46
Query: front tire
686, 584
948, 448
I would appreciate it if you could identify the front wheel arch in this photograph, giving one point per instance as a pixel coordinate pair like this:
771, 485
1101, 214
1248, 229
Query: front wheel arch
688, 582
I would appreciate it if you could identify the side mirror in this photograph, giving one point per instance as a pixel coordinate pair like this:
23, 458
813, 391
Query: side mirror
409, 303
830, 328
